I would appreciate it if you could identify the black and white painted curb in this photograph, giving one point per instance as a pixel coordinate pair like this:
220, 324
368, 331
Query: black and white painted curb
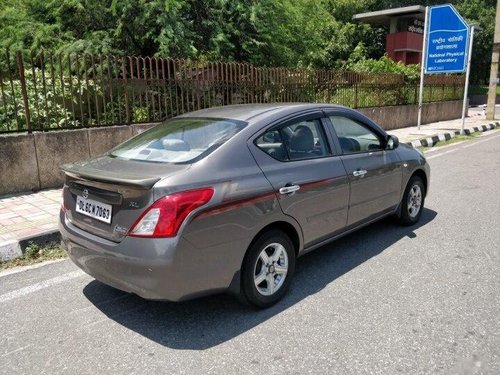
431, 141
13, 249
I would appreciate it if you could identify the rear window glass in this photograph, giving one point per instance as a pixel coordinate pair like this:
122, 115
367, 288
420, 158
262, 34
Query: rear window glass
181, 140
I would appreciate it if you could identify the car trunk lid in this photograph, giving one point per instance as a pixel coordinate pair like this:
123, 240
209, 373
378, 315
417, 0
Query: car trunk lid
105, 196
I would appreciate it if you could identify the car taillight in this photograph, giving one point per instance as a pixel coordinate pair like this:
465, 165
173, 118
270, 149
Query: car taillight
165, 216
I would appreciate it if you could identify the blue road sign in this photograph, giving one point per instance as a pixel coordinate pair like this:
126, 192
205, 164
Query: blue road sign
447, 41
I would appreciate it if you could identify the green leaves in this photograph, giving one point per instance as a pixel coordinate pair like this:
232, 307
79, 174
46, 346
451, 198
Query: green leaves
303, 33
359, 63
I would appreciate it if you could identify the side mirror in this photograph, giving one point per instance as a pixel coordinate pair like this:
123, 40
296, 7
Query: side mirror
392, 142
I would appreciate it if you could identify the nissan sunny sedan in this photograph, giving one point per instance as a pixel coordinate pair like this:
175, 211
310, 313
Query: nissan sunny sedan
226, 199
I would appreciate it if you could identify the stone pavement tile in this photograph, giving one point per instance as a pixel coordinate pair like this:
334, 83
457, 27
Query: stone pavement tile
54, 195
4, 237
22, 206
29, 214
8, 206
26, 232
46, 207
38, 208
26, 213
42, 216
44, 199
6, 222
53, 206
7, 215
20, 225
36, 212
49, 225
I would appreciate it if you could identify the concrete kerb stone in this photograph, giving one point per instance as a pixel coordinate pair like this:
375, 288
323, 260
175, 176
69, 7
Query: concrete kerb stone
42, 239
10, 250
431, 141
13, 249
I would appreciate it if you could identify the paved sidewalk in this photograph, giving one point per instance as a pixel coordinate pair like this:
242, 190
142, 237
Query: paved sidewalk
29, 214
33, 214
406, 135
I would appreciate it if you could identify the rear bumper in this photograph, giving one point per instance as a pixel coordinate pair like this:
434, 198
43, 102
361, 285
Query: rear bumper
158, 269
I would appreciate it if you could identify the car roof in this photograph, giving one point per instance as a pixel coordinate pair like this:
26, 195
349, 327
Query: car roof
246, 112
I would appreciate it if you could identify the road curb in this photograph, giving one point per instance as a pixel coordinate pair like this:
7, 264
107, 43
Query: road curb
10, 250
13, 249
431, 141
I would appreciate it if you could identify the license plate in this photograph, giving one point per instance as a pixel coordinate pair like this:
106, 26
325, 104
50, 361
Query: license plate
97, 210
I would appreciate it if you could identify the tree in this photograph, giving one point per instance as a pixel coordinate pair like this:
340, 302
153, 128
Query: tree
307, 33
483, 13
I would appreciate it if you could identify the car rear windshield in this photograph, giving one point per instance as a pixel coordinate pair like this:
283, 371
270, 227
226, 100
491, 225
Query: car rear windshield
181, 140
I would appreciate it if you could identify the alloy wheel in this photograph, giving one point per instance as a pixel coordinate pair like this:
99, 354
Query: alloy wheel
414, 201
271, 269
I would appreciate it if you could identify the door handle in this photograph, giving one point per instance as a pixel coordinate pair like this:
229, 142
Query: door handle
289, 189
359, 173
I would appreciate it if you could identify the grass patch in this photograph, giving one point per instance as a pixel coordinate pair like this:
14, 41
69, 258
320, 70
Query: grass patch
455, 139
35, 254
458, 138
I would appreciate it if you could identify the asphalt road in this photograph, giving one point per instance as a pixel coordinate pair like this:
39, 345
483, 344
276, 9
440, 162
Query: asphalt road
385, 300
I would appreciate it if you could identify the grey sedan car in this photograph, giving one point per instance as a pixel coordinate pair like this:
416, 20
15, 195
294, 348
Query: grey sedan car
226, 199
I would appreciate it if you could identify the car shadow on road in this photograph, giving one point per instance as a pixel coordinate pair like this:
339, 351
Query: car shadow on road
207, 322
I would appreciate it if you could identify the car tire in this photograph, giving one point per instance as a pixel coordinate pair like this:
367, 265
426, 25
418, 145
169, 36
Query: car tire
412, 204
267, 269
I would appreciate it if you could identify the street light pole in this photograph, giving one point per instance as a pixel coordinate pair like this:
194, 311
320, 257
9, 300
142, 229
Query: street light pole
422, 68
495, 57
467, 75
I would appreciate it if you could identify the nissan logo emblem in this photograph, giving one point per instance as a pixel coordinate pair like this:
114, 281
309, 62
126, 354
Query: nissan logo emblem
85, 193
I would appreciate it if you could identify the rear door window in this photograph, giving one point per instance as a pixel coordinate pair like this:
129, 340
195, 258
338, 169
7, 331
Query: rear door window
295, 141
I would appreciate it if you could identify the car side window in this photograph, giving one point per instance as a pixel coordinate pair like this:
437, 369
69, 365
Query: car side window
355, 137
295, 141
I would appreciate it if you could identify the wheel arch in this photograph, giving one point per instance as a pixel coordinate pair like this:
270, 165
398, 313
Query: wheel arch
288, 228
421, 173
284, 227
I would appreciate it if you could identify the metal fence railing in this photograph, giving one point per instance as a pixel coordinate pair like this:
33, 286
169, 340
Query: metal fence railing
44, 91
